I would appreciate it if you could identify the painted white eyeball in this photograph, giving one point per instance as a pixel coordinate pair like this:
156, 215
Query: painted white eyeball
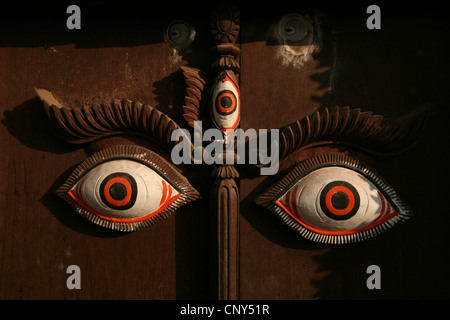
126, 188
226, 102
335, 199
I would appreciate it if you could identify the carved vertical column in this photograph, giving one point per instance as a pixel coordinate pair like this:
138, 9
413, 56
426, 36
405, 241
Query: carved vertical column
225, 203
225, 113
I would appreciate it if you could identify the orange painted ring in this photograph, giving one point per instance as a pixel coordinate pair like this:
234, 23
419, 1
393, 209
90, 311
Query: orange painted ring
332, 192
231, 96
110, 199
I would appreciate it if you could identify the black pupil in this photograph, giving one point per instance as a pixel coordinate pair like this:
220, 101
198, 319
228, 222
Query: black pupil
226, 102
339, 200
118, 191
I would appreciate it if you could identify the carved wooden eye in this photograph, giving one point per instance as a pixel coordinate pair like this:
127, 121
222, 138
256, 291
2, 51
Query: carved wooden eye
335, 199
225, 102
180, 34
126, 188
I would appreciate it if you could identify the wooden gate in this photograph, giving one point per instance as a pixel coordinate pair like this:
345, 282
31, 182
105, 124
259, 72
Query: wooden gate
284, 63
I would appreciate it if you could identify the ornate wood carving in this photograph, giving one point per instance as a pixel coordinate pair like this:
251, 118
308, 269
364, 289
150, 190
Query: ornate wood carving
89, 123
225, 27
195, 85
134, 153
342, 125
225, 204
225, 192
294, 196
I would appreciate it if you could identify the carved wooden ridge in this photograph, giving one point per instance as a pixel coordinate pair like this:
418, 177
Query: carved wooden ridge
363, 130
195, 89
90, 123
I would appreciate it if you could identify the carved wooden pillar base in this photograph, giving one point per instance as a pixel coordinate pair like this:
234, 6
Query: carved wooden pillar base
225, 223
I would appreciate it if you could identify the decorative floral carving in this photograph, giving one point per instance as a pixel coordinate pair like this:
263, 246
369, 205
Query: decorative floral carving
225, 23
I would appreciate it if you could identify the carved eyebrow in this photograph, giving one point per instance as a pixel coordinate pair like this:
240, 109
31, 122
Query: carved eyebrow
89, 123
342, 125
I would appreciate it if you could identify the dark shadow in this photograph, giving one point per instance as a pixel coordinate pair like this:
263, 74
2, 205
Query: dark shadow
361, 69
192, 242
43, 24
268, 224
170, 92
366, 68
31, 115
263, 220
192, 239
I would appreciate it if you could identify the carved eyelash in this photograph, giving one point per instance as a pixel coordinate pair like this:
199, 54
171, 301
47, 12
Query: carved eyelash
138, 154
267, 199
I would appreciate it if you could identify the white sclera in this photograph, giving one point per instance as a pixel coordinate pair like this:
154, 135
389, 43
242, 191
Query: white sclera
308, 199
149, 188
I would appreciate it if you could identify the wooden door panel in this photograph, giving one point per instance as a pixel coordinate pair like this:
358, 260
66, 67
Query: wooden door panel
41, 235
383, 71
